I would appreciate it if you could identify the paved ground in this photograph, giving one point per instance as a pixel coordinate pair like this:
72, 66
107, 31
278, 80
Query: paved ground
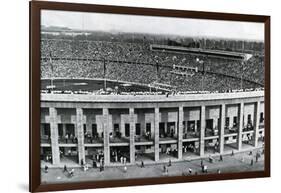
237, 163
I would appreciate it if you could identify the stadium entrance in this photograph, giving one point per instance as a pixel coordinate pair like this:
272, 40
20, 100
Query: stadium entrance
94, 156
144, 153
190, 149
168, 151
120, 155
69, 156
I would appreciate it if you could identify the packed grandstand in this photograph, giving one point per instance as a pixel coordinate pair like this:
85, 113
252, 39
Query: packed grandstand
137, 64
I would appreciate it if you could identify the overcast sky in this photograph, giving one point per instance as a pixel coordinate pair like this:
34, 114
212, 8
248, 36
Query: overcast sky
155, 25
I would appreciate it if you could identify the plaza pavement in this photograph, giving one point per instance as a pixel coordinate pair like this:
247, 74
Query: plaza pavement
239, 162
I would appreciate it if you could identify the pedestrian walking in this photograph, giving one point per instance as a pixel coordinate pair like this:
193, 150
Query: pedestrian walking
201, 163
252, 162
101, 168
142, 164
205, 169
46, 169
94, 164
170, 163
189, 171
85, 167
71, 173
232, 153
102, 161
125, 169
64, 168
221, 158
211, 159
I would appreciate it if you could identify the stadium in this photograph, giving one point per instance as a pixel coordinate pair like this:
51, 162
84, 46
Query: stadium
111, 99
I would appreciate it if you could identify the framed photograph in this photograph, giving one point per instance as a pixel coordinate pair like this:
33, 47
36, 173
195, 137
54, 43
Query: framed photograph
123, 96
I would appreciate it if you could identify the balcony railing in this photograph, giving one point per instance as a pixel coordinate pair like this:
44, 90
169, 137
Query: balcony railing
189, 135
211, 132
168, 136
248, 127
230, 130
118, 139
45, 139
143, 138
93, 140
71, 140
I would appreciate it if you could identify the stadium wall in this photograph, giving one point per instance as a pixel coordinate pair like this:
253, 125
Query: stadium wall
177, 111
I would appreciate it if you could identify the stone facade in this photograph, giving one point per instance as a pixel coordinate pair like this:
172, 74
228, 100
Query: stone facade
132, 120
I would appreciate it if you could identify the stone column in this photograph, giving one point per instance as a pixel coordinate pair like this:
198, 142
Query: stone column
240, 127
231, 121
221, 129
195, 126
202, 132
106, 136
89, 127
132, 135
54, 136
156, 134
63, 130
257, 124
80, 135
122, 125
180, 132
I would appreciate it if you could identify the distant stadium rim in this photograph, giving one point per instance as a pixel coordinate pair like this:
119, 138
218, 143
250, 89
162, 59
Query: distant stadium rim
207, 52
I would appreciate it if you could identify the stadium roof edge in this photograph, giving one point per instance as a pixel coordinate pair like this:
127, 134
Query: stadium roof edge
208, 52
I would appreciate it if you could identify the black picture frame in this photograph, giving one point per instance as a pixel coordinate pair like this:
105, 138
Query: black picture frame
34, 99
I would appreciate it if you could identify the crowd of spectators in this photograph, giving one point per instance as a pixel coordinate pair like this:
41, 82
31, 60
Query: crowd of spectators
87, 59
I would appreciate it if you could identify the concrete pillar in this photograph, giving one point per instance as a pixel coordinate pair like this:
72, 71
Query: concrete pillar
106, 147
231, 118
122, 125
215, 122
89, 127
221, 129
156, 134
202, 131
240, 127
132, 135
257, 124
180, 132
63, 130
54, 136
80, 135
195, 126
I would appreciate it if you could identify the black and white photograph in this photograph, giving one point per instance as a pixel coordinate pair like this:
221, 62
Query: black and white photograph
135, 96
